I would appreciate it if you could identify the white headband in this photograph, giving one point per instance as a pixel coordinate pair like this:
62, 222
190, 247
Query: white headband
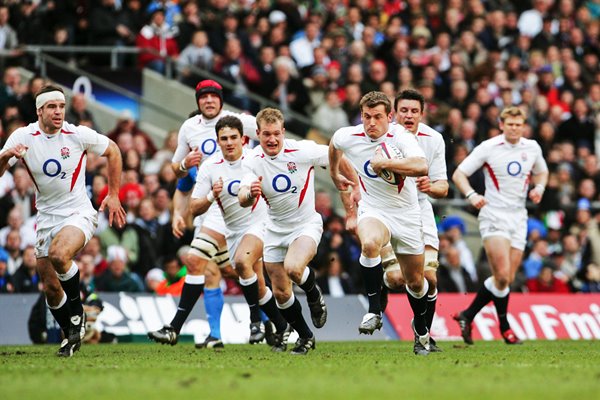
48, 96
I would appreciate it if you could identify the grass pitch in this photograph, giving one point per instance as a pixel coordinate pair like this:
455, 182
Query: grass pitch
377, 370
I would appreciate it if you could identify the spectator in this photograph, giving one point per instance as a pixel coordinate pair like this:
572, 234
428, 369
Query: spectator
6, 285
22, 196
153, 278
330, 115
26, 278
157, 41
546, 282
334, 281
532, 266
452, 275
8, 36
78, 111
10, 89
196, 55
116, 278
174, 278
454, 227
239, 70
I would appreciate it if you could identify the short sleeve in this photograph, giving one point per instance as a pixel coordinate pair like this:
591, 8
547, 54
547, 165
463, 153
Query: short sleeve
437, 169
92, 140
248, 173
182, 149
409, 146
203, 182
474, 161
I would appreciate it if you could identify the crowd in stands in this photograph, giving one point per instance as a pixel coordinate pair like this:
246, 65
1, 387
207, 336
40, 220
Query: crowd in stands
469, 58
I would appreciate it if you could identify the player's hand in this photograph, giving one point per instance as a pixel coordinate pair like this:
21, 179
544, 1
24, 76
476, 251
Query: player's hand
342, 183
423, 184
256, 188
377, 161
115, 210
18, 151
193, 159
217, 187
178, 226
535, 195
477, 201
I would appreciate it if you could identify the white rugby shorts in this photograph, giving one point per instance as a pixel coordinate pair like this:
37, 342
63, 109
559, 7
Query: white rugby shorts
211, 219
509, 223
430, 231
406, 229
278, 238
48, 227
234, 238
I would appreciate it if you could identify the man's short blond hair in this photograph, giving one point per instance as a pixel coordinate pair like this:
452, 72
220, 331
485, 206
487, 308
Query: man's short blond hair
269, 115
373, 99
512, 112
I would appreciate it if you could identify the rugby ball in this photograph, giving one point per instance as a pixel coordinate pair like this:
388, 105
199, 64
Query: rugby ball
390, 151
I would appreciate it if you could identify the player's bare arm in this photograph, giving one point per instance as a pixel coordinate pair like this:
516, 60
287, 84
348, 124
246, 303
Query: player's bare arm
18, 151
180, 205
340, 170
115, 167
201, 205
461, 180
540, 181
248, 194
411, 166
191, 160
436, 189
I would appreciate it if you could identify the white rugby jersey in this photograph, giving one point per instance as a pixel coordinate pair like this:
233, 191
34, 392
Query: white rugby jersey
507, 169
288, 179
199, 132
359, 149
237, 218
56, 164
432, 143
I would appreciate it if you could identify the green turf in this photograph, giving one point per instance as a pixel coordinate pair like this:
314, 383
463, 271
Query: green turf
378, 370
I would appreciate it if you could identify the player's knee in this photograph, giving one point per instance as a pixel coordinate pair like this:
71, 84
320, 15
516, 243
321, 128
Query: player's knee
295, 272
432, 279
371, 248
415, 281
394, 279
281, 295
502, 281
58, 256
243, 266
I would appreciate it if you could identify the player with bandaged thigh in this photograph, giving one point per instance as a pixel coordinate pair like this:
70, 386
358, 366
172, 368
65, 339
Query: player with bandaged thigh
55, 154
218, 182
410, 107
208, 257
386, 159
511, 164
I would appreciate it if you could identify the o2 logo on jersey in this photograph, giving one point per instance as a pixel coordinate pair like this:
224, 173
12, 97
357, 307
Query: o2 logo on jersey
233, 188
209, 146
282, 183
52, 168
514, 168
368, 170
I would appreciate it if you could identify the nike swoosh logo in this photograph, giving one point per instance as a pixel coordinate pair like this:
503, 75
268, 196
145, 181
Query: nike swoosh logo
371, 294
